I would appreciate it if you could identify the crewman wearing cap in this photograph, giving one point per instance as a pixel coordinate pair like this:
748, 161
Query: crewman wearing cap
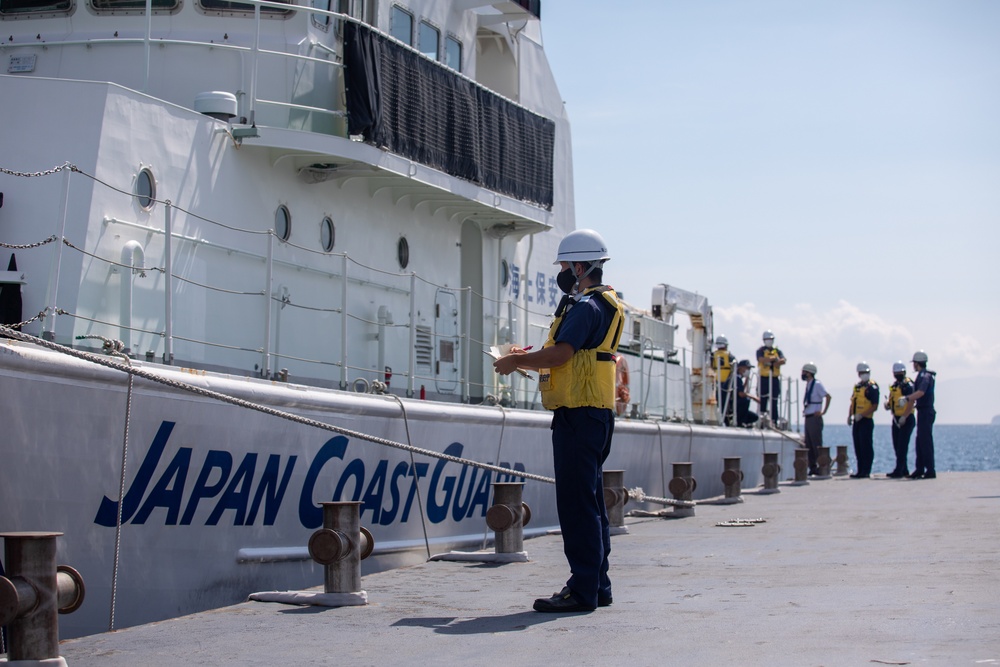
814, 406
744, 417
864, 401
922, 400
902, 426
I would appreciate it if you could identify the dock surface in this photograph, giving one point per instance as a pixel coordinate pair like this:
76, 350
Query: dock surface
841, 572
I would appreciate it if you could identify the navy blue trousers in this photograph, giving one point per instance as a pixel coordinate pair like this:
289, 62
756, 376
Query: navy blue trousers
901, 443
925, 441
770, 393
864, 445
581, 441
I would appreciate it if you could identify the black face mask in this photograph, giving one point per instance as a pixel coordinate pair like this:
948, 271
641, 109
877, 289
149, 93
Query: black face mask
805, 377
900, 376
566, 280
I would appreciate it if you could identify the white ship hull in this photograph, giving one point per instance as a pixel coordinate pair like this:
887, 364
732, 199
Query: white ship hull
418, 271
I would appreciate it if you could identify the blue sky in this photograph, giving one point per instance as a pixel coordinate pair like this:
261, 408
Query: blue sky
826, 169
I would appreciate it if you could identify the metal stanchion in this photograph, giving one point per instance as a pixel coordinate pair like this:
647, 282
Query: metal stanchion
615, 497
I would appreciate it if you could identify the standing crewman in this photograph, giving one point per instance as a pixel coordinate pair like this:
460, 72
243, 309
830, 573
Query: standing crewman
922, 399
723, 362
813, 409
864, 401
770, 360
576, 375
902, 426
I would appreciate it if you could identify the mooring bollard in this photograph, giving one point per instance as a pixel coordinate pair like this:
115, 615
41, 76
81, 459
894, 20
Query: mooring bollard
823, 463
340, 546
681, 487
615, 497
770, 470
32, 594
732, 478
842, 468
801, 464
508, 516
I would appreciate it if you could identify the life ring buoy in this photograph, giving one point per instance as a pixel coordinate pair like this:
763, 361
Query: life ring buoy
622, 394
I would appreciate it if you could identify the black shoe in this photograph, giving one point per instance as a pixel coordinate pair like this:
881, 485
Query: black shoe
604, 600
915, 475
895, 474
858, 476
930, 475
560, 603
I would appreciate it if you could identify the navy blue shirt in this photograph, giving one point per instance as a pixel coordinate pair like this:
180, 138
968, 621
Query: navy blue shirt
924, 383
585, 323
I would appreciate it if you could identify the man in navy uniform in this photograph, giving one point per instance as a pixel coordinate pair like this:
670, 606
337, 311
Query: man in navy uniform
864, 401
922, 399
576, 376
902, 426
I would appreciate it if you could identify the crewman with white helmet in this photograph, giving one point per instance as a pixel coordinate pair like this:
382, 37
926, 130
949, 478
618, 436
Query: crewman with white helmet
864, 401
922, 400
769, 362
723, 362
902, 426
814, 406
576, 375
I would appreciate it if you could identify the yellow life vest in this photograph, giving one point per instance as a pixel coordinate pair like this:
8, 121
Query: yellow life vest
768, 371
895, 393
588, 378
723, 364
859, 400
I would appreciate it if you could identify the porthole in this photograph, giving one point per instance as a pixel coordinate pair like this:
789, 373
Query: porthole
403, 252
282, 223
145, 189
504, 273
327, 235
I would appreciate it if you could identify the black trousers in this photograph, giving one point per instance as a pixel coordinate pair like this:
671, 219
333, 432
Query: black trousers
864, 445
814, 438
901, 443
925, 441
770, 392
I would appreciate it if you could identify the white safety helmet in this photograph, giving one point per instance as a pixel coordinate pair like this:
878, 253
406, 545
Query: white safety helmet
898, 367
721, 341
920, 356
768, 335
809, 368
864, 368
582, 245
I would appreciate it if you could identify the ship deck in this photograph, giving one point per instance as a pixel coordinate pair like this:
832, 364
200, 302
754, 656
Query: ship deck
842, 571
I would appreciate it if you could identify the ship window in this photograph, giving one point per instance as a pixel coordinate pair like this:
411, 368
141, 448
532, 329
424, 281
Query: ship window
403, 252
327, 234
229, 8
145, 189
401, 25
453, 53
338, 6
133, 6
14, 7
282, 223
429, 39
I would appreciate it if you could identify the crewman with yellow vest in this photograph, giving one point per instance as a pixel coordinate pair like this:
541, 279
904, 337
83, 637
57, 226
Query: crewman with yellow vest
902, 424
723, 362
576, 375
769, 363
864, 402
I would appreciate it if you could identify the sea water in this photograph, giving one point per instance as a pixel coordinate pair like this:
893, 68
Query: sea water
957, 447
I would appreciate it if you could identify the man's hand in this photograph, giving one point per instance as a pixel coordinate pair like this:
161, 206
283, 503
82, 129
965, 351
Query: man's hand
507, 364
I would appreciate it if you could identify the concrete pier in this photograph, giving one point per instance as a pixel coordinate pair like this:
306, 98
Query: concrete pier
841, 572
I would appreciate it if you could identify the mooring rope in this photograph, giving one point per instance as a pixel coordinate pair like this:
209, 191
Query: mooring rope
274, 412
